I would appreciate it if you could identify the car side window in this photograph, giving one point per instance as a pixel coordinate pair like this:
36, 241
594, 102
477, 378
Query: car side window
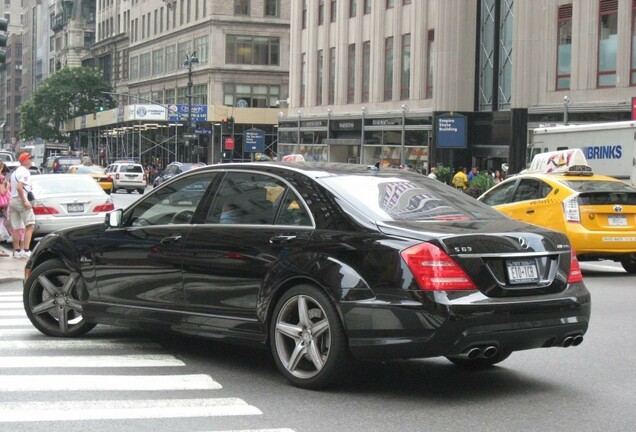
173, 204
531, 189
499, 195
248, 198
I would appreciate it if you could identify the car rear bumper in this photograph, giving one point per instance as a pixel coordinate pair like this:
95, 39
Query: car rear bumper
449, 328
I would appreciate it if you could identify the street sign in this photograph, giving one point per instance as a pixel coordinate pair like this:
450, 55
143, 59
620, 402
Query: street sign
189, 136
254, 141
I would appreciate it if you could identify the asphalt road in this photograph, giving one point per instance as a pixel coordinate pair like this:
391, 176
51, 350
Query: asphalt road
209, 386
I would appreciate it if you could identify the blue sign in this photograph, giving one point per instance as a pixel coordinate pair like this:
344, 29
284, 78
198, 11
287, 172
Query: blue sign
451, 131
203, 131
179, 112
254, 140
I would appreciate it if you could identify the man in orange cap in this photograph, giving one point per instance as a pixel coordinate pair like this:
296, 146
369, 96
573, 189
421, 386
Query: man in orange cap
20, 208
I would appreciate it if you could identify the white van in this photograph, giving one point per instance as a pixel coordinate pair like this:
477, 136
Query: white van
127, 175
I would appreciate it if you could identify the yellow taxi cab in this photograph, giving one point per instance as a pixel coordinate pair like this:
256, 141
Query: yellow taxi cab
559, 191
97, 172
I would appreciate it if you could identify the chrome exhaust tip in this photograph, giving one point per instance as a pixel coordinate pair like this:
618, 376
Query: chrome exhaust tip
577, 340
567, 341
489, 351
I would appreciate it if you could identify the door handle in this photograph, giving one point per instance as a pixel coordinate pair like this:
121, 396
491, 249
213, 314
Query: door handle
172, 239
529, 211
281, 238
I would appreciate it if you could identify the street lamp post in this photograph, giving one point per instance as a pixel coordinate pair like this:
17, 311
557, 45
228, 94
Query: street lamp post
190, 59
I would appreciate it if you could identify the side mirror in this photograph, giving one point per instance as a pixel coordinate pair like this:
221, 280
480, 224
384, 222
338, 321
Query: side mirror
114, 218
504, 167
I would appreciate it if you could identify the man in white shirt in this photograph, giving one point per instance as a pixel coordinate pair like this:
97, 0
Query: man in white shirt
433, 173
20, 209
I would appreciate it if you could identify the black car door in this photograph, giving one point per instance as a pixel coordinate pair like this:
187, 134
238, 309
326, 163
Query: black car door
226, 259
148, 248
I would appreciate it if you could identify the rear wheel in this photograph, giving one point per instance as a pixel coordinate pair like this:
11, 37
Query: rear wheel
51, 301
480, 362
629, 263
128, 190
140, 191
307, 338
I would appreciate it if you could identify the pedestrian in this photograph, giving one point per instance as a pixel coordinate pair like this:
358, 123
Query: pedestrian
20, 208
460, 180
473, 173
433, 173
498, 177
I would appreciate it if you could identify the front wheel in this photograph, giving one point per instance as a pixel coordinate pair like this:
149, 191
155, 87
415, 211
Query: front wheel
629, 263
307, 338
51, 301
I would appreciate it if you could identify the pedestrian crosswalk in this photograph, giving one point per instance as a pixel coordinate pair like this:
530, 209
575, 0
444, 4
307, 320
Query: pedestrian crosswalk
99, 367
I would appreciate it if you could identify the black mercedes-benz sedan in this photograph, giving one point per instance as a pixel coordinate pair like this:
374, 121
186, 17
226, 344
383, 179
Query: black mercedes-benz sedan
322, 263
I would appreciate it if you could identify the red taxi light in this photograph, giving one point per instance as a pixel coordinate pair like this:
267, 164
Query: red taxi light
434, 270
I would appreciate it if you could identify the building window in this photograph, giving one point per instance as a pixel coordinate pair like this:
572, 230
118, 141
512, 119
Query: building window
157, 62
607, 43
430, 63
366, 70
505, 55
388, 69
390, 4
304, 15
406, 2
367, 6
633, 68
255, 95
332, 76
303, 78
351, 73
333, 7
241, 7
321, 12
353, 6
134, 68
144, 65
319, 77
272, 8
564, 47
171, 58
169, 95
254, 50
405, 87
487, 50
201, 48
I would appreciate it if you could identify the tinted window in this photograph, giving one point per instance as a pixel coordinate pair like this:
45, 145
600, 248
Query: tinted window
498, 195
598, 185
176, 203
131, 169
531, 189
409, 198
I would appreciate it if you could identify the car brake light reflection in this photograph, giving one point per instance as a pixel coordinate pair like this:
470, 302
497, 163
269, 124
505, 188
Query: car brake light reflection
575, 269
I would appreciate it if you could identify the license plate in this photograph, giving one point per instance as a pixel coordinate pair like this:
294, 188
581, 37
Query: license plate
616, 220
522, 271
75, 208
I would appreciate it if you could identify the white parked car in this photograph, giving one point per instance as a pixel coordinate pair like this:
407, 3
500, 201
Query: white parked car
127, 175
67, 200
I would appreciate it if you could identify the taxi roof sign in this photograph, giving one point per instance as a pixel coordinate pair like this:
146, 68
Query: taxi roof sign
293, 158
571, 161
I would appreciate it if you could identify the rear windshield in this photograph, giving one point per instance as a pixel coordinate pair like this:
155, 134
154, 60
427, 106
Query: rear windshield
412, 198
68, 161
598, 185
64, 183
131, 169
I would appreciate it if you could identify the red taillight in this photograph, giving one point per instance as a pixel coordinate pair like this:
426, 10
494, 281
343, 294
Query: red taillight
104, 208
575, 269
117, 176
39, 209
434, 270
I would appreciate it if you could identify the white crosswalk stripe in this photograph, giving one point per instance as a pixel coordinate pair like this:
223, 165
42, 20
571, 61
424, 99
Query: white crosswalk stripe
22, 347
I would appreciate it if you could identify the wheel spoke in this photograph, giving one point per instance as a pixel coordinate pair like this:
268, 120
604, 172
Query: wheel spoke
319, 328
48, 286
44, 307
62, 316
74, 305
296, 355
289, 330
315, 355
303, 312
66, 289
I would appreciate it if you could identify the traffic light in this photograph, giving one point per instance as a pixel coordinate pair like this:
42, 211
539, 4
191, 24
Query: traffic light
230, 123
4, 25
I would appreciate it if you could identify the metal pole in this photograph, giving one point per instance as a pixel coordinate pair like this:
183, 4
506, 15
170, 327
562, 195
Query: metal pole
402, 155
364, 111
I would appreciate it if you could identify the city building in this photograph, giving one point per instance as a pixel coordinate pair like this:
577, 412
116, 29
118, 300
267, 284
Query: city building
452, 82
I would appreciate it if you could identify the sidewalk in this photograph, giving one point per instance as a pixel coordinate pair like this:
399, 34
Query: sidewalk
10, 268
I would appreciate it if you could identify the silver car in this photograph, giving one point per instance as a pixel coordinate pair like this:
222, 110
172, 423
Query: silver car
67, 200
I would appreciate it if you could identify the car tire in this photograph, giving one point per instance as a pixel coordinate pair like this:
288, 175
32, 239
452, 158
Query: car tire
140, 191
481, 362
629, 264
128, 190
51, 301
307, 339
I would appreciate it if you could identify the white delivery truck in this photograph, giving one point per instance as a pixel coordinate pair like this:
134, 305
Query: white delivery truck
609, 148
